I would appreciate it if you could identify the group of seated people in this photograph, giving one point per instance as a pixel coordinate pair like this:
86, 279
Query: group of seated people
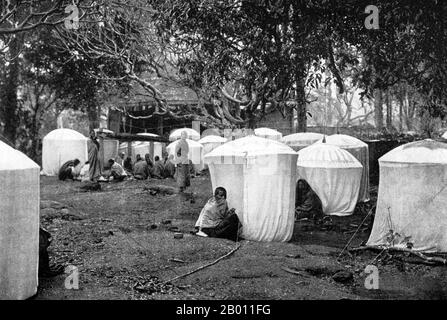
121, 168
143, 169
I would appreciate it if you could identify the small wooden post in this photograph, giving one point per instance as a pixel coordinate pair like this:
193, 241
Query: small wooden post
151, 150
101, 152
129, 149
196, 126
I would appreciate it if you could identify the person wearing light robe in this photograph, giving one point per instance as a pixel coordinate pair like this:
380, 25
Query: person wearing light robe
215, 220
93, 158
69, 170
183, 170
117, 171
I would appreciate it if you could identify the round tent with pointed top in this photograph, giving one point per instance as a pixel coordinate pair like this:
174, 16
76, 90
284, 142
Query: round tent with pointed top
300, 140
412, 198
195, 153
334, 174
191, 134
360, 151
268, 133
211, 142
19, 226
60, 146
259, 176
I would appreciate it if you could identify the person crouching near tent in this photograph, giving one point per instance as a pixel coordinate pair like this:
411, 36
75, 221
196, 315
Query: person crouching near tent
69, 170
215, 220
117, 172
307, 202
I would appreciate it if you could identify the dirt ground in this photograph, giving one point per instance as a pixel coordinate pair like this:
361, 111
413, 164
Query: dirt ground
121, 239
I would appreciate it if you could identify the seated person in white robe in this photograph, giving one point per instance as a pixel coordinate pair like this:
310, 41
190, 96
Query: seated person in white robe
215, 220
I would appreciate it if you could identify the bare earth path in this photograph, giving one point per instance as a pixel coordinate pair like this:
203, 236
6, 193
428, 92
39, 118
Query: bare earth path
121, 239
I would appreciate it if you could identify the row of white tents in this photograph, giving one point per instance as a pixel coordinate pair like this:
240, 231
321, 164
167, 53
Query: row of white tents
260, 176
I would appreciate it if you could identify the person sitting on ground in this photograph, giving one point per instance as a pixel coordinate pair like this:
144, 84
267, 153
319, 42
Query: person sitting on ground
169, 167
150, 164
128, 165
141, 170
158, 170
84, 173
121, 158
69, 170
192, 169
117, 172
307, 202
215, 220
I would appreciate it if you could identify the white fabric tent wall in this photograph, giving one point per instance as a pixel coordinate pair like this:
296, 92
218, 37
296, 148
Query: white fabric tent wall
360, 151
210, 143
110, 149
195, 153
268, 133
300, 140
260, 178
142, 147
334, 174
191, 134
61, 145
412, 197
19, 224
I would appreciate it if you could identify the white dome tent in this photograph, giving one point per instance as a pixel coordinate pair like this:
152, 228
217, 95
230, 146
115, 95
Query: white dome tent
195, 153
211, 142
334, 174
268, 134
260, 178
300, 140
412, 197
191, 134
19, 227
61, 145
360, 151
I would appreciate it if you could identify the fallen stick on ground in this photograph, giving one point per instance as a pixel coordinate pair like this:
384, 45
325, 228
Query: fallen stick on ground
437, 260
162, 189
356, 231
286, 269
204, 266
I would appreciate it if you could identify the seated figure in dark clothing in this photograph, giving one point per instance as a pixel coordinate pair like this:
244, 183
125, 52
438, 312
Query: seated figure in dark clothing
67, 170
307, 202
158, 169
128, 165
215, 220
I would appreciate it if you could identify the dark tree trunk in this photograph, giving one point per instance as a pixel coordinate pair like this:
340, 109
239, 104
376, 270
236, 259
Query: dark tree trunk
9, 96
378, 109
93, 116
389, 111
301, 105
